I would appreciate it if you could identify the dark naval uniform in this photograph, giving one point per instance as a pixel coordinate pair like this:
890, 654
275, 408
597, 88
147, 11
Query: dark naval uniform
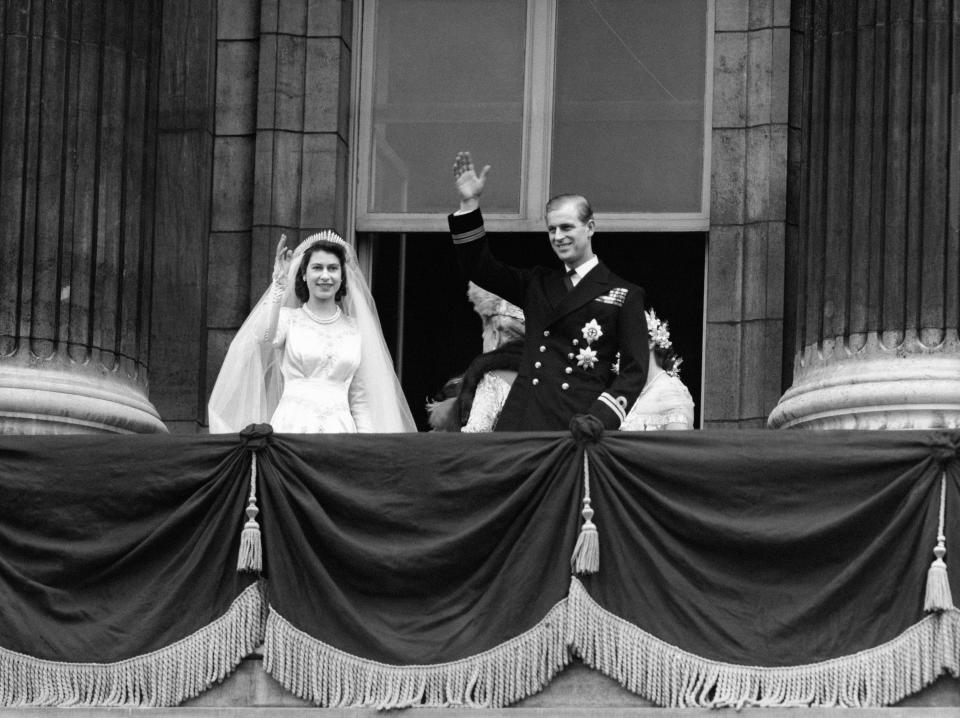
572, 337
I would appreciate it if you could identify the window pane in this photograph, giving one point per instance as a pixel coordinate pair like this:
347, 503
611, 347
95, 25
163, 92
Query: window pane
449, 76
628, 108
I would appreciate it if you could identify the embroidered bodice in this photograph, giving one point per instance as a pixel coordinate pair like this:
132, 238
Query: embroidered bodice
318, 362
664, 400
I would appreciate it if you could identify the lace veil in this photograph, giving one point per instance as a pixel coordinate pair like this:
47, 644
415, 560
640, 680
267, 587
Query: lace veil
249, 384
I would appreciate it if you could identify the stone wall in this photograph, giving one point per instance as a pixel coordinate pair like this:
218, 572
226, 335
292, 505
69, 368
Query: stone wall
744, 306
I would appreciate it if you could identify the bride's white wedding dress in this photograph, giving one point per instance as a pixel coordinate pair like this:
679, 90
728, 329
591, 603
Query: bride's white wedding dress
322, 393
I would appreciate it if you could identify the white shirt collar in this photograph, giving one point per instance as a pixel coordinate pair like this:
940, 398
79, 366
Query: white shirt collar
586, 266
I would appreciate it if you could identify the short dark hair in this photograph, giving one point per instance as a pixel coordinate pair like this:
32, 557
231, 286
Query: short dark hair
321, 245
584, 210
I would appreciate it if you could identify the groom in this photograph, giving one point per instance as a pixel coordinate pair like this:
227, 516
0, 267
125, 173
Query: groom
578, 321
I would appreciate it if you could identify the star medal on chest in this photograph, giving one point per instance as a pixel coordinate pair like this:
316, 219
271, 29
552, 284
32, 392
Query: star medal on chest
591, 331
587, 358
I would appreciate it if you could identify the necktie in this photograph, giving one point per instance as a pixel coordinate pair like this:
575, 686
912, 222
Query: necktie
568, 280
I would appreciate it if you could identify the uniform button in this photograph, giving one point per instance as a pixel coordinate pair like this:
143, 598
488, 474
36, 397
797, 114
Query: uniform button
537, 365
543, 348
564, 386
535, 381
570, 355
568, 370
546, 332
576, 342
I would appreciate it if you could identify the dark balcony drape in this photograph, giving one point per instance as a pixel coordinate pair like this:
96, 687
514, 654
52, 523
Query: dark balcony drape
735, 568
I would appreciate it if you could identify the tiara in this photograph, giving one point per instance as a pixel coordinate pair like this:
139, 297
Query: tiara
658, 331
327, 235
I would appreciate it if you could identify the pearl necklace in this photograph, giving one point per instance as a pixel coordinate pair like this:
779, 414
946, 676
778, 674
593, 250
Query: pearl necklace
323, 320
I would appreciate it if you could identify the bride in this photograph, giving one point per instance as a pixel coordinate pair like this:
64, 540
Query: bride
311, 357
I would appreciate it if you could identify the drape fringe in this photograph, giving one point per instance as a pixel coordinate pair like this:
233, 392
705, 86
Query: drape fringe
326, 676
164, 677
674, 678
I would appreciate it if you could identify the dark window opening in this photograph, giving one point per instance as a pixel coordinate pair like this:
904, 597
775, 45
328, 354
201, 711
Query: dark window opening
420, 292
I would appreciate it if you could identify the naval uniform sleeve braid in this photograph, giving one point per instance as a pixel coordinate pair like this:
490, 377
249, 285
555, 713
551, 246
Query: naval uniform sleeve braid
477, 262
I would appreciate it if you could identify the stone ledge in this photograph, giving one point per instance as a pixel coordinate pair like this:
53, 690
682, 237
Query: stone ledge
577, 690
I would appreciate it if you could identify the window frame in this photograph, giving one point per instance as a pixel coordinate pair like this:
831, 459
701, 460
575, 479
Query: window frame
536, 141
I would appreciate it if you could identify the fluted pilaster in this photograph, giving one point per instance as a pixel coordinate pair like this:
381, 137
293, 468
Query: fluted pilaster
76, 186
873, 259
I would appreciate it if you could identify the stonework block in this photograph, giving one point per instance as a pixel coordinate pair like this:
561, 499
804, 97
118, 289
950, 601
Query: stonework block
329, 18
236, 87
324, 57
182, 428
263, 177
731, 15
728, 176
761, 13
290, 83
263, 249
722, 424
781, 13
287, 174
776, 263
755, 271
343, 104
292, 17
730, 79
266, 82
753, 366
269, 16
228, 279
218, 341
238, 19
721, 391
233, 180
342, 210
759, 76
780, 76
777, 152
320, 180
773, 351
725, 274
758, 173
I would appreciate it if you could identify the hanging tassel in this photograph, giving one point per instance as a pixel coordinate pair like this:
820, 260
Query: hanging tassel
250, 557
938, 597
586, 554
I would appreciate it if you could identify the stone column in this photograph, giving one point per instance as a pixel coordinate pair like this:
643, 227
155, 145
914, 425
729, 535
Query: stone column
873, 258
76, 215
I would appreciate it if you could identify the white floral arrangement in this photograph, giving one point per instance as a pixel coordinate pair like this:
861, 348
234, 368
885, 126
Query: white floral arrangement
660, 336
658, 331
